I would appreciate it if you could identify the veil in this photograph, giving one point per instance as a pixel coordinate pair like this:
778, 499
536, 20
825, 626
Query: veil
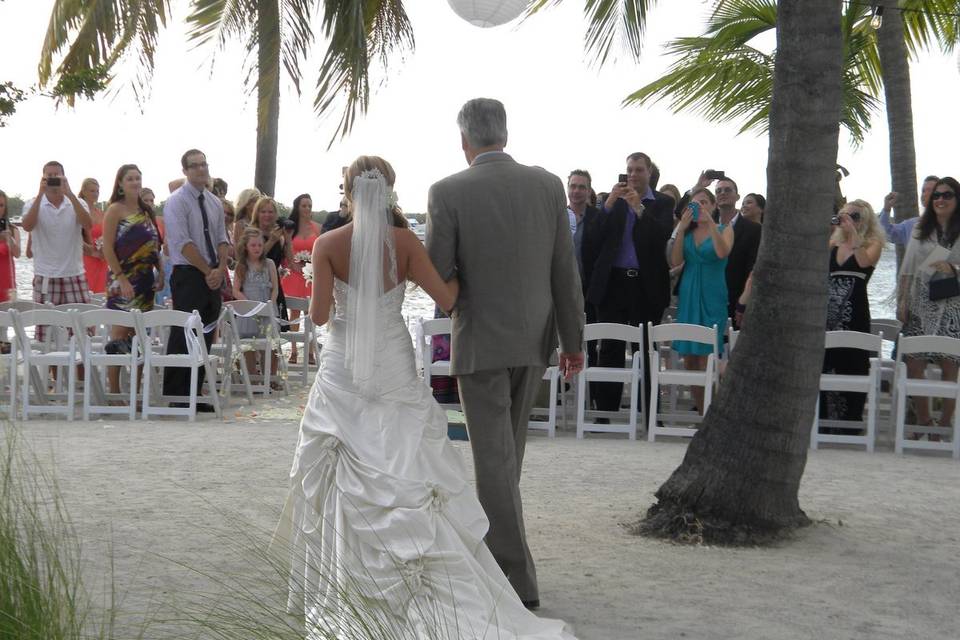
372, 252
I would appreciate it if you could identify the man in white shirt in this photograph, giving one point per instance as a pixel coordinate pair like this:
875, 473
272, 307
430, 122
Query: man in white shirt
55, 219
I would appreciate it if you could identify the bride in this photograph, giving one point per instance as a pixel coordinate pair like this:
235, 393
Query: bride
384, 533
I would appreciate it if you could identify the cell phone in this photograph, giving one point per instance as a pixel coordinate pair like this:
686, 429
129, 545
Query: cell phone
3, 223
622, 178
53, 182
711, 174
695, 208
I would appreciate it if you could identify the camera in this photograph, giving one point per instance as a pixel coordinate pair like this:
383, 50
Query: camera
3, 223
711, 174
835, 220
622, 178
53, 182
286, 224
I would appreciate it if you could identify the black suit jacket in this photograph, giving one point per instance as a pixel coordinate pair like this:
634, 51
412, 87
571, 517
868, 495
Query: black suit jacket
650, 235
588, 239
746, 243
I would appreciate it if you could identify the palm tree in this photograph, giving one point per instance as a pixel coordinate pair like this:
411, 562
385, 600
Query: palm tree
740, 477
724, 77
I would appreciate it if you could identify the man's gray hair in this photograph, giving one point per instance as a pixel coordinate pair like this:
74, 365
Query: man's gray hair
483, 122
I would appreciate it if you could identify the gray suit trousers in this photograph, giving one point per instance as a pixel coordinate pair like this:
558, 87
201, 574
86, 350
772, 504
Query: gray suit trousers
497, 406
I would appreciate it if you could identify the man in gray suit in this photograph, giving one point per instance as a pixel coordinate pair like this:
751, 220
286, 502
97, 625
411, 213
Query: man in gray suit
503, 229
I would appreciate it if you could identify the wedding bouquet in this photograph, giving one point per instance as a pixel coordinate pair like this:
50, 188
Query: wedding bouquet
303, 257
308, 273
98, 244
284, 272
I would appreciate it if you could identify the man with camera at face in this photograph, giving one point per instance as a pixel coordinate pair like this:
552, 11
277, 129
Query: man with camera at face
625, 264
55, 219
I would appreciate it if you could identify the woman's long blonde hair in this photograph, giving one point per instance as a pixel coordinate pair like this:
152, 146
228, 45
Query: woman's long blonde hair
366, 163
261, 203
240, 273
246, 197
869, 227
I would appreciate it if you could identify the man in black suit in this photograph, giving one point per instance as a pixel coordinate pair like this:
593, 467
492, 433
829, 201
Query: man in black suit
625, 264
746, 242
580, 205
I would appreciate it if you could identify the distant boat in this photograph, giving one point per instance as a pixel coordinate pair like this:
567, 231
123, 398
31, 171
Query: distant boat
420, 230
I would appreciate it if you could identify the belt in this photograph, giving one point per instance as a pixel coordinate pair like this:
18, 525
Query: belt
628, 273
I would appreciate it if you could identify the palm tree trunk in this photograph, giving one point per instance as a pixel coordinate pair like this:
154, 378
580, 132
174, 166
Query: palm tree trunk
895, 70
268, 95
741, 474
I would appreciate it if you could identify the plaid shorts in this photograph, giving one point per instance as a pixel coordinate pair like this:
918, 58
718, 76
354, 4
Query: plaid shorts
58, 291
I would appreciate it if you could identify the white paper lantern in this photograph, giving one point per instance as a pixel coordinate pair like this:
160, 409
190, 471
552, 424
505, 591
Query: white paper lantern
488, 13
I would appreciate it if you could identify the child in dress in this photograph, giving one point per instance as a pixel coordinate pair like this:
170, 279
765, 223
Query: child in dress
254, 279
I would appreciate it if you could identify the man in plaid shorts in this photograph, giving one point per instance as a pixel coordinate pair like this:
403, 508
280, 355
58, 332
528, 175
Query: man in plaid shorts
55, 219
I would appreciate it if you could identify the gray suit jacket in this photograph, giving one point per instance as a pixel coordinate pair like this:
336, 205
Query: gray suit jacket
502, 228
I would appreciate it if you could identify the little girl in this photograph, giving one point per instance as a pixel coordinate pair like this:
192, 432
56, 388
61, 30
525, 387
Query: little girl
255, 279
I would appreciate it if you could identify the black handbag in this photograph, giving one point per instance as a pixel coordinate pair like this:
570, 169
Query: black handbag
945, 286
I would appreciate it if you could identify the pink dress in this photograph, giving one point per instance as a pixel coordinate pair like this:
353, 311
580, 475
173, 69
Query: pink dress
8, 273
294, 284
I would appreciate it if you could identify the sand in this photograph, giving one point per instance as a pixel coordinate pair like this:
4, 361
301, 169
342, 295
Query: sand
880, 562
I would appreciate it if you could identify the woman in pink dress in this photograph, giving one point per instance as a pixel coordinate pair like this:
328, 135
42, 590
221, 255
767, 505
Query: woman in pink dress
9, 249
94, 266
305, 233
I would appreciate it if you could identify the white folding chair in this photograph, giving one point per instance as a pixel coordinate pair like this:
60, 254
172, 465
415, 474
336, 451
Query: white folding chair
631, 375
661, 372
551, 375
95, 356
427, 329
889, 330
270, 343
36, 359
305, 337
164, 320
906, 387
230, 356
10, 361
838, 382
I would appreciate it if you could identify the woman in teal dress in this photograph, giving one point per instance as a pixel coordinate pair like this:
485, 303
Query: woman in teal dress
702, 247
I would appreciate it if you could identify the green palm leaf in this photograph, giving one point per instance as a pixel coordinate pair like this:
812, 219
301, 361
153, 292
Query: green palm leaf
724, 77
609, 22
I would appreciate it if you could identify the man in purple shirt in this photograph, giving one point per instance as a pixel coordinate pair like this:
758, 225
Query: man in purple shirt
625, 264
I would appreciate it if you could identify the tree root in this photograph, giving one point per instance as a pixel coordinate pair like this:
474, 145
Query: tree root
672, 521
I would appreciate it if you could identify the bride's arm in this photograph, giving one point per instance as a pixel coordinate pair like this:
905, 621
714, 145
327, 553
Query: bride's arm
322, 298
422, 271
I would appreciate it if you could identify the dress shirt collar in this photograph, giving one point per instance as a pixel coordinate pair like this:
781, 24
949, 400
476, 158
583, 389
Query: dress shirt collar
648, 195
488, 155
192, 191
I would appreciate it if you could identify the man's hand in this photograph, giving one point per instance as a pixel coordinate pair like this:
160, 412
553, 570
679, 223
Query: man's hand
43, 186
617, 191
571, 364
214, 278
890, 201
702, 183
65, 186
633, 199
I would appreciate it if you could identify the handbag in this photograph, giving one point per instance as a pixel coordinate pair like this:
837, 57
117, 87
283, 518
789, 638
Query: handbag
944, 286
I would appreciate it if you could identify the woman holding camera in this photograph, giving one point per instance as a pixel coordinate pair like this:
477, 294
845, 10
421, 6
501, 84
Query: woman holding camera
276, 245
702, 247
855, 248
9, 249
928, 303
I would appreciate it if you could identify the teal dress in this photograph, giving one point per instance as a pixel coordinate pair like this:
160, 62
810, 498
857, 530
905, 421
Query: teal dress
703, 292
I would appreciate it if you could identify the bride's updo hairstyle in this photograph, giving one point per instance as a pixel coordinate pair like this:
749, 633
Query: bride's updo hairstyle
367, 163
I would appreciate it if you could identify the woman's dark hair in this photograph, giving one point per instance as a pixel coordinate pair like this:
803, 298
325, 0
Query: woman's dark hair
759, 199
295, 212
116, 196
928, 219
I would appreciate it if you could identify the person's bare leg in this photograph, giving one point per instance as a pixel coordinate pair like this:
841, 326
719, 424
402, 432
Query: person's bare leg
294, 314
696, 363
949, 368
916, 368
113, 373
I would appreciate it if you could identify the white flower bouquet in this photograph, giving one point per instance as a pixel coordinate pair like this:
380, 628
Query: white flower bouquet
303, 257
308, 273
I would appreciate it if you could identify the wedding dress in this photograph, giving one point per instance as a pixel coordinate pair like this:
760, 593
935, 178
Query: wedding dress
382, 528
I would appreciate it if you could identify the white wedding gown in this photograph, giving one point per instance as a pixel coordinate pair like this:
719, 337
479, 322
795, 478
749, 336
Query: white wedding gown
381, 521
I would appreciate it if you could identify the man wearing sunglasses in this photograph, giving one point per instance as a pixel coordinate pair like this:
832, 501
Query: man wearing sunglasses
900, 232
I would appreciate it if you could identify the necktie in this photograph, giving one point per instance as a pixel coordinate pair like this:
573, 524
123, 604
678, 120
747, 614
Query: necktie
211, 252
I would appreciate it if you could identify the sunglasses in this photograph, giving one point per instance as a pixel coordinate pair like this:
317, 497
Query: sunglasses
946, 195
853, 215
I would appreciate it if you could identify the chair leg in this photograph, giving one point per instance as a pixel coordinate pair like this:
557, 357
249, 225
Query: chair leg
815, 428
872, 414
71, 389
633, 407
194, 374
87, 376
25, 400
213, 389
654, 401
900, 410
581, 403
134, 380
146, 390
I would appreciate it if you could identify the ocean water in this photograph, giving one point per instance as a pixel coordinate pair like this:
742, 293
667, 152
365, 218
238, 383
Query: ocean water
419, 305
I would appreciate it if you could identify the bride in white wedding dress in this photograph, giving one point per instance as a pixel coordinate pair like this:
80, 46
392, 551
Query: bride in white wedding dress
384, 533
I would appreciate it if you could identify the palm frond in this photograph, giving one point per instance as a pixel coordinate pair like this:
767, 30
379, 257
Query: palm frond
358, 32
930, 23
723, 77
93, 34
609, 22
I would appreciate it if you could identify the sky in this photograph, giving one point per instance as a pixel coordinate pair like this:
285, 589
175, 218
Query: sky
562, 112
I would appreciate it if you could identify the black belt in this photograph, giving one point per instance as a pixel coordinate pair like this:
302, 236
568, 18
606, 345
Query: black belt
628, 273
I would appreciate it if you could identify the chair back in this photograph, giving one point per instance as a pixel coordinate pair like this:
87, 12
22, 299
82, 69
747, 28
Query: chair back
164, 319
928, 344
78, 306
854, 340
23, 305
298, 304
435, 326
682, 331
612, 331
887, 328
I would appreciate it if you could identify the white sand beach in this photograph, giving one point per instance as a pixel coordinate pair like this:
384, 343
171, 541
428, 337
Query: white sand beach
880, 562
